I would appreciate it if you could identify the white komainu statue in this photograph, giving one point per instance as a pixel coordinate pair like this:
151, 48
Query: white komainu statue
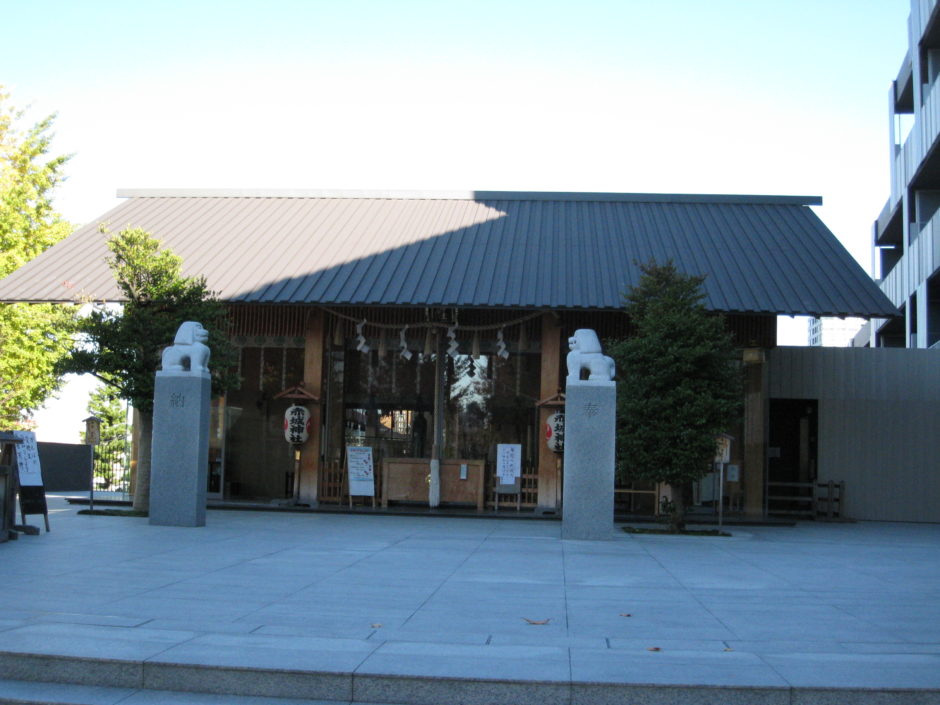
586, 355
189, 351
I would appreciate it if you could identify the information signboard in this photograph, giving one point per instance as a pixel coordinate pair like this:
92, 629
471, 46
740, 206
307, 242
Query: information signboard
361, 471
27, 459
508, 462
31, 491
723, 448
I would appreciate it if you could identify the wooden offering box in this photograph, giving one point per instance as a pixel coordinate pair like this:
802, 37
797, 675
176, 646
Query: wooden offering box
406, 480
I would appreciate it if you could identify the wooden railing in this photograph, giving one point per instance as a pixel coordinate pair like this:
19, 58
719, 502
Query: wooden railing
829, 502
527, 498
332, 487
640, 498
810, 500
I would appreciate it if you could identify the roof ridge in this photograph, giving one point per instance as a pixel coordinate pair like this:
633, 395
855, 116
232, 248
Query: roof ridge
588, 196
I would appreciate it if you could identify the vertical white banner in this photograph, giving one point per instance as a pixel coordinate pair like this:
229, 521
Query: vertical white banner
508, 462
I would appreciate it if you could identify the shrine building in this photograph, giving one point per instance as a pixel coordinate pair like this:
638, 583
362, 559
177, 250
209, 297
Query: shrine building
435, 325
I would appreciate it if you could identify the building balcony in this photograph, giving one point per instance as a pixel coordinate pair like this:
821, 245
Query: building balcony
920, 261
908, 168
916, 163
889, 227
925, 22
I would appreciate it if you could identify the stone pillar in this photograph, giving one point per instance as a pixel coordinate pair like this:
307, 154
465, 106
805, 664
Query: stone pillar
588, 506
313, 383
180, 449
755, 425
548, 479
590, 431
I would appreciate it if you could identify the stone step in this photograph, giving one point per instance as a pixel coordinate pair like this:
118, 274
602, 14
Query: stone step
42, 679
135, 679
37, 693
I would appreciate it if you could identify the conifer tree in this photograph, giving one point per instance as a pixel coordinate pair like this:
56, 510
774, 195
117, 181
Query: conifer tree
679, 387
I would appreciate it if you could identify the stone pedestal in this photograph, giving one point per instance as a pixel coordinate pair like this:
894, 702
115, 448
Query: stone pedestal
180, 452
590, 427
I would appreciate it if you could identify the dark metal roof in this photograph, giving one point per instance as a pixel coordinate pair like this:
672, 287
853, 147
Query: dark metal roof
761, 254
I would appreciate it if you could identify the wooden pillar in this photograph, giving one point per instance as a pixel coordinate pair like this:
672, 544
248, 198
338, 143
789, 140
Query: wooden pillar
548, 470
314, 342
434, 476
755, 431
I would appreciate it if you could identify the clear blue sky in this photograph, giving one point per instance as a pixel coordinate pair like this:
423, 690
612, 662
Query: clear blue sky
744, 96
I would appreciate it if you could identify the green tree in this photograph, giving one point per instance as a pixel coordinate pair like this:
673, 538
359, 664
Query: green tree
33, 337
123, 347
110, 454
679, 387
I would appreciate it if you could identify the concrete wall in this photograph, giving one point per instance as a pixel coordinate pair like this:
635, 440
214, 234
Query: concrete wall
66, 467
879, 424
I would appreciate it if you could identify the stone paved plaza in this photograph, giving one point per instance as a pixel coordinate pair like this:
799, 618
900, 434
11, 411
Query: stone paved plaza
308, 607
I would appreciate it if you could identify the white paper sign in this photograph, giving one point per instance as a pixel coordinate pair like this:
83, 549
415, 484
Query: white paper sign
723, 449
27, 459
361, 473
508, 462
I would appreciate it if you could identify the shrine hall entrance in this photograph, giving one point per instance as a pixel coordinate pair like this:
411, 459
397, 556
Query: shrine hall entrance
792, 456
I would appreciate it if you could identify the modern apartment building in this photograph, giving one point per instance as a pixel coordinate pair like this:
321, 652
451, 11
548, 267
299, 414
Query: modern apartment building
907, 232
833, 332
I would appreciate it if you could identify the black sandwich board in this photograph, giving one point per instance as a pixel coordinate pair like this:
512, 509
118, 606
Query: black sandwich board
28, 475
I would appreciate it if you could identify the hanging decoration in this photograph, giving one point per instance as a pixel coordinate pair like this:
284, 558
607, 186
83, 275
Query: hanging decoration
453, 347
403, 350
361, 344
501, 350
340, 316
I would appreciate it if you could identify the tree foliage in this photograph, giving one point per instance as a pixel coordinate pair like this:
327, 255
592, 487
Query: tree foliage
679, 388
110, 453
123, 347
33, 337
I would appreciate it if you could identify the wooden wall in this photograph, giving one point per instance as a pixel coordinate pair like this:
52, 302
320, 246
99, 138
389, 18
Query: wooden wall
879, 424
